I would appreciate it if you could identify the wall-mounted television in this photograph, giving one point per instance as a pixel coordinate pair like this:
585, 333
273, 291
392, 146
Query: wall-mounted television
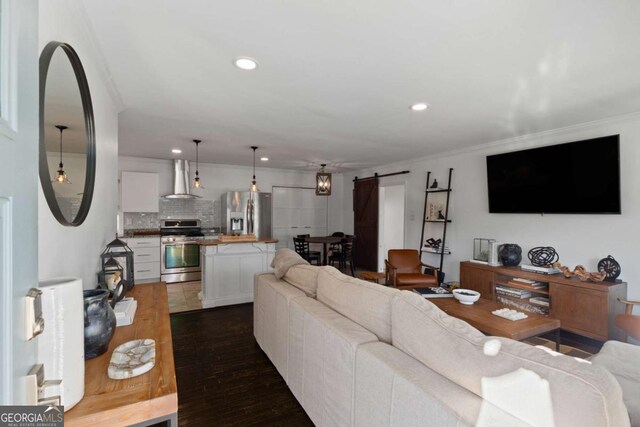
581, 177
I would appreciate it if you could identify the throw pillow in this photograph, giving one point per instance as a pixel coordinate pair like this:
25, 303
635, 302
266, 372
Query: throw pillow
283, 260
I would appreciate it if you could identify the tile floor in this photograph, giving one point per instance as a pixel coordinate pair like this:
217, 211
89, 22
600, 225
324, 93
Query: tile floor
184, 296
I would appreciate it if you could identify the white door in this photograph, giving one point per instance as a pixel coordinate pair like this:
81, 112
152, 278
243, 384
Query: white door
18, 189
390, 221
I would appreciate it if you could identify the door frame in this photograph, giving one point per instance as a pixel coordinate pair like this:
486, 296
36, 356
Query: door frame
19, 138
381, 203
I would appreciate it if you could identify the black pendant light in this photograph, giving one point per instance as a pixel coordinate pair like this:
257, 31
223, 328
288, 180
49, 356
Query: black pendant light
323, 182
196, 180
61, 177
254, 185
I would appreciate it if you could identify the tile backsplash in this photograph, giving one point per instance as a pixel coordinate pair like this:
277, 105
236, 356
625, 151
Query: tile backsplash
207, 211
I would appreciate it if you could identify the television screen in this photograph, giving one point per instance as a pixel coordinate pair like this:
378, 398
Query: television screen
577, 177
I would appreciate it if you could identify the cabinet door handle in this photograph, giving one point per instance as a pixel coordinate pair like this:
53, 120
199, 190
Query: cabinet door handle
143, 271
141, 255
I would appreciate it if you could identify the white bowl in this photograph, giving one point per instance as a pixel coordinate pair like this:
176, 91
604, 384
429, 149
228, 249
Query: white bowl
466, 296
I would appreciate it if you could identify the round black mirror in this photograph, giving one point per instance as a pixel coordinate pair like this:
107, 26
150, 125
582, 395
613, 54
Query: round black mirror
67, 135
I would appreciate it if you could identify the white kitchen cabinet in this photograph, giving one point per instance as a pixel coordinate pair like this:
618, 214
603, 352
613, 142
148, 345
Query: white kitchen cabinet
297, 211
146, 258
140, 192
228, 271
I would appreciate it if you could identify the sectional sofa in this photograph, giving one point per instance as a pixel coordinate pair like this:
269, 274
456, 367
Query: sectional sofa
361, 354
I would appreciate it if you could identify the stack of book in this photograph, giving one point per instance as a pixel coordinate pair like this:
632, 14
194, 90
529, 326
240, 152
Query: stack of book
434, 292
542, 301
535, 285
125, 311
541, 270
512, 292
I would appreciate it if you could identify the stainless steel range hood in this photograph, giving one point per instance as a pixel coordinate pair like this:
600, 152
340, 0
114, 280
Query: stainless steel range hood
181, 181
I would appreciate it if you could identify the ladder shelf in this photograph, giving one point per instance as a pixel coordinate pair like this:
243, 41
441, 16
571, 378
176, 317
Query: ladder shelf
443, 218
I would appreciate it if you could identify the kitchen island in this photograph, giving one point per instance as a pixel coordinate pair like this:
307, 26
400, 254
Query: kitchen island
228, 269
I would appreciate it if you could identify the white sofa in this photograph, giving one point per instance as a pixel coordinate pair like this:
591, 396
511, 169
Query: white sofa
357, 353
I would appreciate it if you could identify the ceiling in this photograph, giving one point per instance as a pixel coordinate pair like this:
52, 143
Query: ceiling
336, 78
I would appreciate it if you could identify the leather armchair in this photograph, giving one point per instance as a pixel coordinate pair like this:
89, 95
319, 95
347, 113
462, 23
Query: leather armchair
403, 270
628, 322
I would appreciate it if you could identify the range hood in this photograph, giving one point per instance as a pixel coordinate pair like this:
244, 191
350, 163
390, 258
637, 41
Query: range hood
181, 181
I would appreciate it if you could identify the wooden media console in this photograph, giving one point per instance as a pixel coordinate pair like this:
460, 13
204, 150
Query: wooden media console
584, 308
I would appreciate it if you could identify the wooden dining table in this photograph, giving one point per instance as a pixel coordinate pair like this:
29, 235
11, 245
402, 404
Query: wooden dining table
325, 241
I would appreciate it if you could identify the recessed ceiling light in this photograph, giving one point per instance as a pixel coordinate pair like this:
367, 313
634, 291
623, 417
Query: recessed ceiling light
176, 151
245, 63
420, 106
264, 159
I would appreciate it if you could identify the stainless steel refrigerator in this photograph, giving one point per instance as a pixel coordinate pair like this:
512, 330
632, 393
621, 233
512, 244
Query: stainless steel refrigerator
244, 212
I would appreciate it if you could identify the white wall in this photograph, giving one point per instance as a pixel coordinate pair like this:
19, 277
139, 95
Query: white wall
218, 179
75, 251
579, 239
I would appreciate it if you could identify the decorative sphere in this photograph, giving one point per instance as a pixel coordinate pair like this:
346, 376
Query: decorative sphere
543, 256
510, 254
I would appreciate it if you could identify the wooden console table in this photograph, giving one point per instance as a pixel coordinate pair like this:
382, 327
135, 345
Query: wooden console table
147, 399
585, 308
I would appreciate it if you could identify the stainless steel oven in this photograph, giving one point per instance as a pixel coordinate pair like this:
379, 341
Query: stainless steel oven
180, 251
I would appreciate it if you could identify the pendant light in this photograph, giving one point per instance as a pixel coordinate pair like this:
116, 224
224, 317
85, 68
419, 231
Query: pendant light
196, 180
323, 182
61, 176
254, 185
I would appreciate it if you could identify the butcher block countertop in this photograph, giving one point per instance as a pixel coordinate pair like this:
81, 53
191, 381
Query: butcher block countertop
215, 242
150, 396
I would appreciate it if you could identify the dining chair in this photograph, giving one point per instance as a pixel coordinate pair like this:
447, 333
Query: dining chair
403, 270
301, 247
344, 254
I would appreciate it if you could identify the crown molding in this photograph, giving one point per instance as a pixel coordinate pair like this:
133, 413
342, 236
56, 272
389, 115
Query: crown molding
530, 140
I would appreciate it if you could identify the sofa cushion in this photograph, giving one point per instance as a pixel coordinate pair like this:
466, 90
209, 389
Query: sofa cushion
365, 303
392, 388
271, 318
283, 260
455, 350
415, 279
322, 352
623, 361
305, 278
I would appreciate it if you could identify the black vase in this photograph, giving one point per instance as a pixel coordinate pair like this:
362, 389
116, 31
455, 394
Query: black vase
510, 254
99, 322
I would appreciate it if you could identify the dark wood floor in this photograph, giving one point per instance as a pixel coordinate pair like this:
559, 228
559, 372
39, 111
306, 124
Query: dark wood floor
224, 378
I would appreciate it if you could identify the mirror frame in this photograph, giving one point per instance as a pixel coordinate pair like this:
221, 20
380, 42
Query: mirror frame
87, 107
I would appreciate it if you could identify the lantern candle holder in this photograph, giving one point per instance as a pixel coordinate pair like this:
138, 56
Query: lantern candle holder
122, 255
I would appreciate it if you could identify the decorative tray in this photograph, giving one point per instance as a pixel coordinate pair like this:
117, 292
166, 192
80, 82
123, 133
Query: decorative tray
509, 314
132, 358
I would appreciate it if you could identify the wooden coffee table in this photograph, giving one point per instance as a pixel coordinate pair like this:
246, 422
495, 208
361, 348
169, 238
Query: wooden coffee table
479, 316
372, 276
